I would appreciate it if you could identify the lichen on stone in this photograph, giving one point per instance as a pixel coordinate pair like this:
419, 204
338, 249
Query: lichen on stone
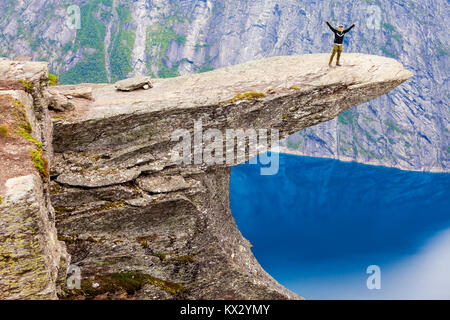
128, 282
247, 96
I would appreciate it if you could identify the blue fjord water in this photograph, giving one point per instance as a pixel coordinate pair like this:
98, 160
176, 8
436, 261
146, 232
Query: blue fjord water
318, 224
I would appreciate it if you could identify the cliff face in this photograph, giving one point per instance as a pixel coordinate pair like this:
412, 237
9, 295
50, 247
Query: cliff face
128, 212
408, 128
136, 222
31, 257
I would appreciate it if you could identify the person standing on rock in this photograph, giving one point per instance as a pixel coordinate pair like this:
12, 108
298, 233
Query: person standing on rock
338, 41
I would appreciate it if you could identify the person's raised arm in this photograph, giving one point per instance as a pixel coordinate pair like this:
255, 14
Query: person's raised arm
347, 30
332, 29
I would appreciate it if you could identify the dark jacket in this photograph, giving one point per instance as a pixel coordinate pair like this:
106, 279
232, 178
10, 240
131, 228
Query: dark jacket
339, 36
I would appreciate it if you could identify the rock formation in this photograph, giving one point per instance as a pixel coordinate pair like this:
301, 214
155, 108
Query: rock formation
134, 83
31, 257
408, 128
139, 224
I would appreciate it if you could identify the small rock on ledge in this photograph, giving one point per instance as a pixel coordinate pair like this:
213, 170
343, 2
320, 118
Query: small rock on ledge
134, 83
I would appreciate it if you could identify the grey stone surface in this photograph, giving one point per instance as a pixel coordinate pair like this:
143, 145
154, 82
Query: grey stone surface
59, 102
295, 92
137, 82
408, 128
162, 184
174, 222
125, 209
30, 254
97, 179
70, 91
32, 260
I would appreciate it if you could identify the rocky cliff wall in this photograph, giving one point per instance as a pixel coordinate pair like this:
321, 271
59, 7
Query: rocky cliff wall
136, 222
31, 257
409, 128
139, 224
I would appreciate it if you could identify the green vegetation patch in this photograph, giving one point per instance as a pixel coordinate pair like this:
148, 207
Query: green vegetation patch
28, 85
388, 52
143, 242
24, 127
160, 36
61, 210
388, 48
247, 96
90, 37
161, 256
108, 206
389, 27
441, 49
58, 117
165, 72
53, 80
111, 205
347, 117
4, 130
121, 47
186, 259
25, 130
128, 282
392, 126
40, 163
294, 146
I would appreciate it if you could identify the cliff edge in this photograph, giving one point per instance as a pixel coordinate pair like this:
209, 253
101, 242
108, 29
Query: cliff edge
140, 223
32, 260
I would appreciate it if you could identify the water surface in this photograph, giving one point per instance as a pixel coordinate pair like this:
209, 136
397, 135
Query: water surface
319, 223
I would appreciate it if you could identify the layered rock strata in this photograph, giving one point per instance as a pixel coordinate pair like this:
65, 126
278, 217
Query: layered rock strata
139, 223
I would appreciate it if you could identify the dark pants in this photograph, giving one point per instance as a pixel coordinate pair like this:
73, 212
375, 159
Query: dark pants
338, 49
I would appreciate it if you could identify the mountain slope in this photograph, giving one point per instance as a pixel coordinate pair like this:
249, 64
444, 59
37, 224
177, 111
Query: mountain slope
409, 128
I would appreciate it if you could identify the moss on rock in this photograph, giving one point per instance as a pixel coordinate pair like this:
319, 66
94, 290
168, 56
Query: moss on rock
128, 282
52, 79
40, 163
143, 243
161, 256
247, 96
28, 85
4, 130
